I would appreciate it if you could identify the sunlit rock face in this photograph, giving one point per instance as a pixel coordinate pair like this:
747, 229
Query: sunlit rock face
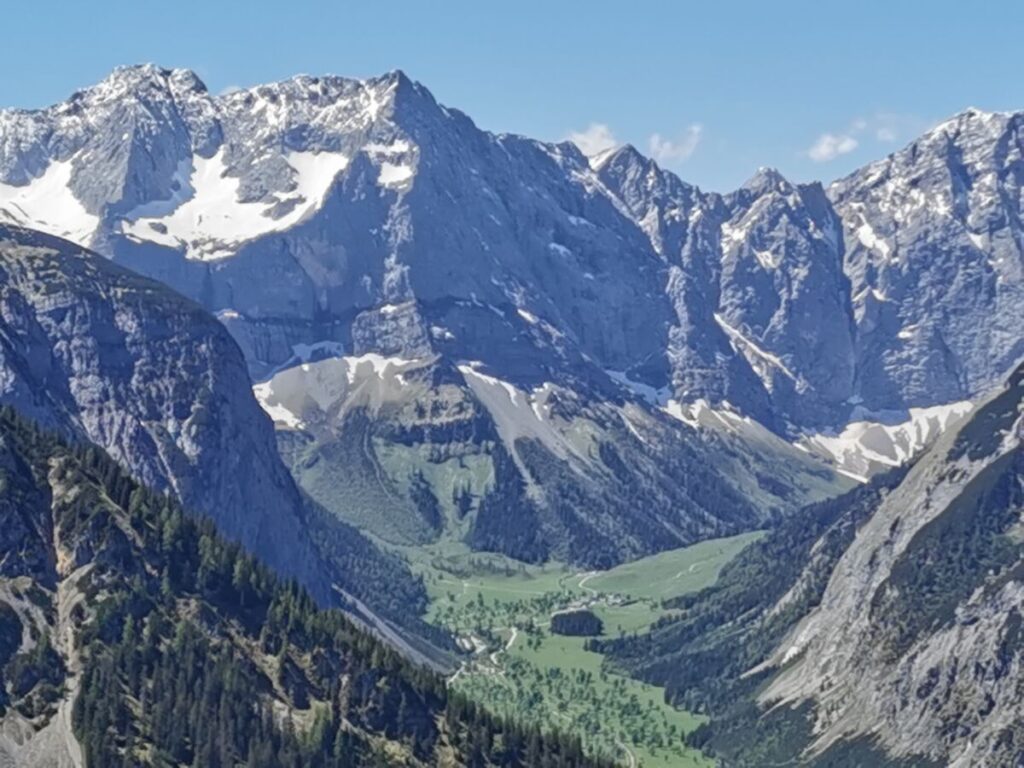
332, 218
363, 213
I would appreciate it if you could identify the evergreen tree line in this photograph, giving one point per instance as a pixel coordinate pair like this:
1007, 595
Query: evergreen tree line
195, 654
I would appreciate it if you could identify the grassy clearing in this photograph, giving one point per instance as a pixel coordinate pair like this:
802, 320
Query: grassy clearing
672, 573
501, 610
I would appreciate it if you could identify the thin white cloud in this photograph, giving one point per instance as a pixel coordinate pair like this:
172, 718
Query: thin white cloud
830, 146
895, 126
597, 137
668, 150
882, 127
886, 133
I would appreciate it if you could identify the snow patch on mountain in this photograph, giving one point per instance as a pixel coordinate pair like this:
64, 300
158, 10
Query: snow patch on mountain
528, 316
688, 413
398, 147
869, 239
394, 175
212, 221
297, 395
864, 447
48, 204
654, 395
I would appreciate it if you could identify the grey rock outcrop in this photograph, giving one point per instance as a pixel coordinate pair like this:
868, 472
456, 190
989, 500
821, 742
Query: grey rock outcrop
916, 639
106, 356
302, 211
933, 253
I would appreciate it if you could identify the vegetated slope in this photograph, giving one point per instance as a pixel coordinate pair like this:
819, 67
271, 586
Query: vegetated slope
133, 634
107, 356
883, 626
418, 450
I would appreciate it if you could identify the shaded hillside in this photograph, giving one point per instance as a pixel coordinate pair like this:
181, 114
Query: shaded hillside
107, 356
132, 634
883, 626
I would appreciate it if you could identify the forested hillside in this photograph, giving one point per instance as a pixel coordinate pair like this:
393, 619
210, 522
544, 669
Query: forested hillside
879, 628
132, 634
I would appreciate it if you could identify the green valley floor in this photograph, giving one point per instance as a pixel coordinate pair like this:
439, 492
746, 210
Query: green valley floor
500, 610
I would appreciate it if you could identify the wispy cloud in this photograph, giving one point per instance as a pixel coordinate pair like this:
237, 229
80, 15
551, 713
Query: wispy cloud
830, 146
675, 150
886, 133
597, 137
883, 127
893, 126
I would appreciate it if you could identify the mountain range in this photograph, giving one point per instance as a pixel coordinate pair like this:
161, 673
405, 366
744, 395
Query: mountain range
345, 324
565, 316
364, 213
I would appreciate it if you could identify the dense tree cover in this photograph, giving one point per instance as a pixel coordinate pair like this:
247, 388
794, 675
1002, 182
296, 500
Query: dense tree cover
507, 519
580, 623
601, 519
426, 502
362, 568
951, 556
462, 500
195, 654
701, 652
587, 511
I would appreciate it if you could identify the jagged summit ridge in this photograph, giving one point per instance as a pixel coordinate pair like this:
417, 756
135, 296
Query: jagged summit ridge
793, 304
933, 253
140, 138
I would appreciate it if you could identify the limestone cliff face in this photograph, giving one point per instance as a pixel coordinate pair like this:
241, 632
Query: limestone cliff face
121, 361
916, 640
308, 210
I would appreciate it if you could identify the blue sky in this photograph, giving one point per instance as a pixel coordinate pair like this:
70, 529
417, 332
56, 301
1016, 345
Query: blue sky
713, 89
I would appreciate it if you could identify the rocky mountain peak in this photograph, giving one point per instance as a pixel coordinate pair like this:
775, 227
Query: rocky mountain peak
362, 194
767, 180
143, 79
621, 156
933, 230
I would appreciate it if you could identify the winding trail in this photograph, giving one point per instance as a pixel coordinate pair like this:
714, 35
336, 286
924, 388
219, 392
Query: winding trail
508, 645
584, 578
451, 680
